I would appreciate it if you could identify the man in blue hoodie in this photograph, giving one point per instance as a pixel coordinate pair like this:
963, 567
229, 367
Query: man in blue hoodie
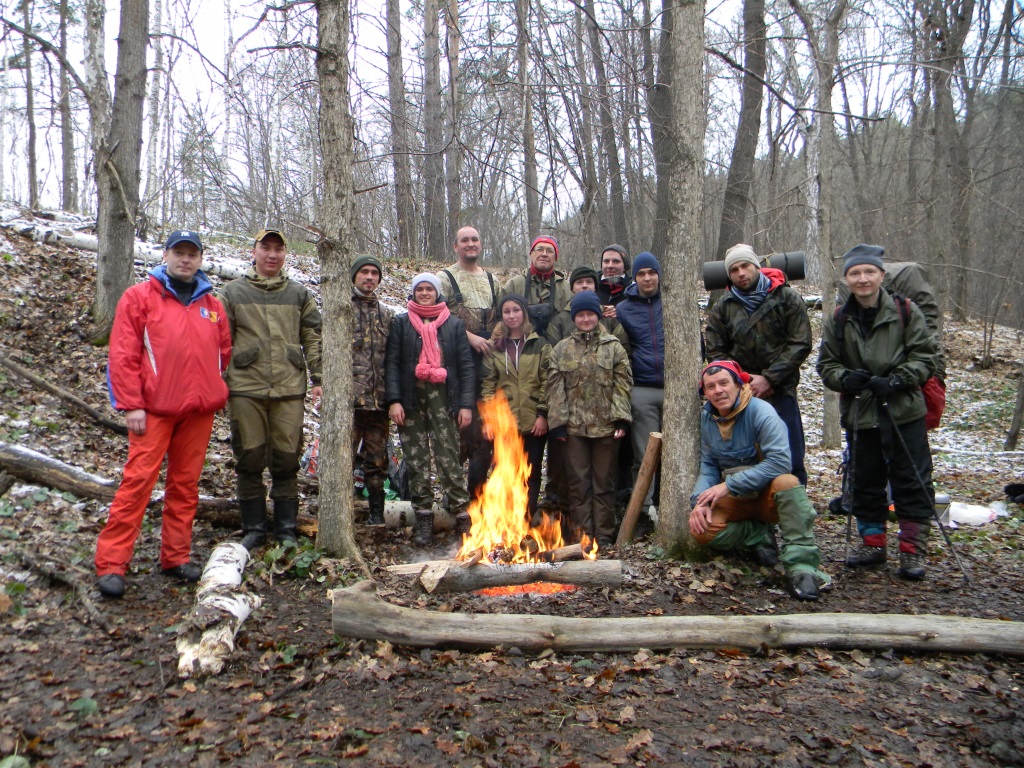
640, 314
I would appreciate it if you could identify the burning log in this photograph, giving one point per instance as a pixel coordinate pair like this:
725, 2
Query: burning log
557, 555
450, 576
643, 483
207, 635
358, 613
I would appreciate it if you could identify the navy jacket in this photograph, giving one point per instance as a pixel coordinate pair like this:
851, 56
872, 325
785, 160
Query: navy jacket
642, 319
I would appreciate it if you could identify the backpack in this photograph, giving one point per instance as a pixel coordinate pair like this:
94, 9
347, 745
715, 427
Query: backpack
934, 390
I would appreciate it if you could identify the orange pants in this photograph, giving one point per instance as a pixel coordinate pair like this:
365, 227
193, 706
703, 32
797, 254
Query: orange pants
729, 509
183, 439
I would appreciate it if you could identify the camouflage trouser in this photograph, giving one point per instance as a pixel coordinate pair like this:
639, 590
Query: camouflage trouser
371, 427
266, 434
432, 423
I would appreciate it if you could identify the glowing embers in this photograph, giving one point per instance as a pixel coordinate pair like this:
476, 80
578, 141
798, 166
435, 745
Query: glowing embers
501, 532
533, 589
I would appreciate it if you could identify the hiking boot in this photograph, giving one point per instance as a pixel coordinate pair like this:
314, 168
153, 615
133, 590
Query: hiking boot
423, 534
375, 497
767, 554
185, 572
254, 522
286, 517
111, 584
803, 586
463, 524
865, 556
912, 566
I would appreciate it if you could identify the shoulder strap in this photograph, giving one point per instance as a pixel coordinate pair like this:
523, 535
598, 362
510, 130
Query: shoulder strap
457, 294
902, 308
494, 292
839, 315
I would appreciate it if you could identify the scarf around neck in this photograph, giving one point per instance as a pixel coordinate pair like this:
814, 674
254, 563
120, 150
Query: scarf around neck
727, 422
428, 367
751, 300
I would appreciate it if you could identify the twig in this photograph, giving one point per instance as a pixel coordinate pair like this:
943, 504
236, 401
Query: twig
53, 571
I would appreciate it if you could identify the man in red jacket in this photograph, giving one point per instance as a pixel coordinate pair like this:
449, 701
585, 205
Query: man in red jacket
168, 348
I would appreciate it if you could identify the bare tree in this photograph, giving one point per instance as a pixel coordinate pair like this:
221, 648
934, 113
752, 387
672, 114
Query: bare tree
529, 144
153, 147
69, 168
30, 110
683, 161
336, 533
433, 135
453, 149
405, 207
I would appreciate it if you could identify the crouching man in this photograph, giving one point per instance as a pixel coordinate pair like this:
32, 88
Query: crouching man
745, 485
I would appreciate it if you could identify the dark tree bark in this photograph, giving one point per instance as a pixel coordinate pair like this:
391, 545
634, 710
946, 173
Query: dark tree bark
335, 250
526, 96
69, 169
435, 207
30, 108
740, 179
659, 113
453, 149
117, 159
405, 206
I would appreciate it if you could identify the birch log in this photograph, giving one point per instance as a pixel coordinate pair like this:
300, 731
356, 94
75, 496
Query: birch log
207, 635
450, 576
358, 613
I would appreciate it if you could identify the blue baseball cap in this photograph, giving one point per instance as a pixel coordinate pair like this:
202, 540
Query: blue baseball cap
183, 236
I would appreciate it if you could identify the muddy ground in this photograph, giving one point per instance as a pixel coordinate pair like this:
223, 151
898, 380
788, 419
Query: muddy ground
75, 694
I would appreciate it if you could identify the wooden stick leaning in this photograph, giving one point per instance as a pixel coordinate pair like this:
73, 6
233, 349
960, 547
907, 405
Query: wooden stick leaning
643, 484
358, 613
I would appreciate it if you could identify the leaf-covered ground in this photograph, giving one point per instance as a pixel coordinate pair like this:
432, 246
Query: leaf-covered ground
76, 694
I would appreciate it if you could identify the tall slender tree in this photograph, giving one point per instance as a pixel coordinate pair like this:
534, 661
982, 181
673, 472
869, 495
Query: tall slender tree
69, 167
30, 109
405, 205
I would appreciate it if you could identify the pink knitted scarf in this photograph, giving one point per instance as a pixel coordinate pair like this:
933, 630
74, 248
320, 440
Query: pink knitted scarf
429, 367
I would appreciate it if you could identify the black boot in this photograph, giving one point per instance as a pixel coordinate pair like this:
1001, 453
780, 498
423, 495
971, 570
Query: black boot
767, 554
376, 501
423, 534
254, 522
286, 516
463, 524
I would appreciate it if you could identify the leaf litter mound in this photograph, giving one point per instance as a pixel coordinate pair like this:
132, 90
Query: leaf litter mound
79, 695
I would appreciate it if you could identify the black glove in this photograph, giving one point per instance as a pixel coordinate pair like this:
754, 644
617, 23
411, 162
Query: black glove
855, 381
558, 433
883, 386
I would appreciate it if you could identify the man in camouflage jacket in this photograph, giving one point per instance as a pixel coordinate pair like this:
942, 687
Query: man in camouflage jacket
762, 324
275, 330
371, 322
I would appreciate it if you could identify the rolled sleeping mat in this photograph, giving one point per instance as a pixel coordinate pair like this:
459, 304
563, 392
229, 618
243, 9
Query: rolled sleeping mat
792, 263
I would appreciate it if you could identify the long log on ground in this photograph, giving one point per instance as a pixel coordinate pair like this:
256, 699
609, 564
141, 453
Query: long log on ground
64, 395
358, 613
450, 576
558, 555
34, 467
644, 478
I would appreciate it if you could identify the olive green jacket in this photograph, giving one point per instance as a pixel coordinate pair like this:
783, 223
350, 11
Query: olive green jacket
589, 385
525, 387
275, 336
889, 349
562, 326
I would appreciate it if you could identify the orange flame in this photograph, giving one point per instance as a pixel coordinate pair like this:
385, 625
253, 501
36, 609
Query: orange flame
500, 527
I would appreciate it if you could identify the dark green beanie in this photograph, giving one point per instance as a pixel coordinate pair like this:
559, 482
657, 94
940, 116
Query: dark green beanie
579, 272
364, 260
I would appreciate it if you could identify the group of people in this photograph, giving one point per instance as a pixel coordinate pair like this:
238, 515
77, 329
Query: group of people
579, 359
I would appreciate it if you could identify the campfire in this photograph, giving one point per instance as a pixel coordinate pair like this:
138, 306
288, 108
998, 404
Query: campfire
501, 533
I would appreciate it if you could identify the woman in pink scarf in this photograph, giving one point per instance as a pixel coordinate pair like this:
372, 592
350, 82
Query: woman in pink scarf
429, 387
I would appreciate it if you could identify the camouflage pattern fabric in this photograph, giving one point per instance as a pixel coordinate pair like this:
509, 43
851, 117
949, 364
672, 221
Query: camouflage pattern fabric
371, 323
431, 424
371, 427
589, 385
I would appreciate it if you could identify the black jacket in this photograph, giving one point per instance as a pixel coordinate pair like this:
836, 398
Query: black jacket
403, 353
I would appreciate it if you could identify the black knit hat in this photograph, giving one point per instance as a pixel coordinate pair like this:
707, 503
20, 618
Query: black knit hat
579, 272
364, 260
863, 254
517, 299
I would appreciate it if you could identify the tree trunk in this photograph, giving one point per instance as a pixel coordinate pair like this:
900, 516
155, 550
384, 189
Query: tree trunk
152, 149
335, 250
1018, 416
591, 191
69, 169
358, 613
405, 206
659, 113
30, 110
453, 150
117, 159
733, 226
435, 207
531, 192
608, 140
682, 160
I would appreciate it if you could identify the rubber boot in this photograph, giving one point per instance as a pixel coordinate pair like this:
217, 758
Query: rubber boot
463, 524
913, 539
767, 555
423, 534
376, 502
254, 522
286, 516
799, 554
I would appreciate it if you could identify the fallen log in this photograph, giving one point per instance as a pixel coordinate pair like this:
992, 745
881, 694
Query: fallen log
450, 576
68, 397
207, 634
358, 613
557, 555
34, 467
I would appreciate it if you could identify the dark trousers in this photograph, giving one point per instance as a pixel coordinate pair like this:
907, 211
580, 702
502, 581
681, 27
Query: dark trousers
534, 448
371, 429
789, 411
876, 458
475, 448
590, 464
556, 492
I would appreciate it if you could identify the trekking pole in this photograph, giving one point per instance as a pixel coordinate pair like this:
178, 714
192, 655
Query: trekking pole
848, 479
924, 487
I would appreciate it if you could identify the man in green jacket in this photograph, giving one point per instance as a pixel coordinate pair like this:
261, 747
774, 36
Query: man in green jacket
275, 332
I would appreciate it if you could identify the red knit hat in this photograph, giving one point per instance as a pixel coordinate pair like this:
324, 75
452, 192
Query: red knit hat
545, 239
738, 374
